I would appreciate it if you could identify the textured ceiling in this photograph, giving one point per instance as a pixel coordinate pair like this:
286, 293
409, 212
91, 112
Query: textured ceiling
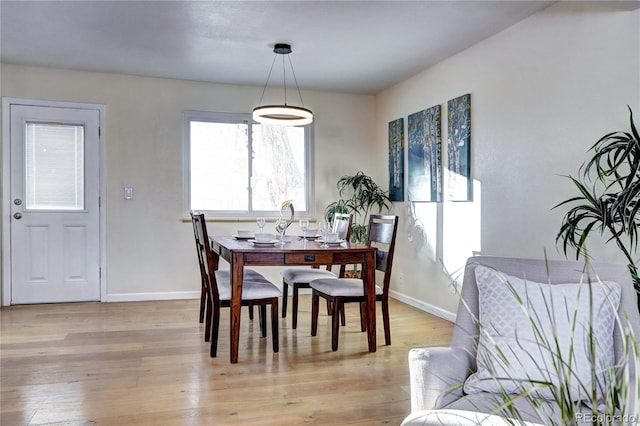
346, 46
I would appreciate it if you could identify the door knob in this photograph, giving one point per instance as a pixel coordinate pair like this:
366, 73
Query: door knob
18, 215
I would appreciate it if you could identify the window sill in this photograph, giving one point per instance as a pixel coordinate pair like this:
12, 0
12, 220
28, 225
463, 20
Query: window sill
243, 219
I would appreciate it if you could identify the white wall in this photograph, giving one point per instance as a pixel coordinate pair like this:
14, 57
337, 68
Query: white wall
150, 249
543, 91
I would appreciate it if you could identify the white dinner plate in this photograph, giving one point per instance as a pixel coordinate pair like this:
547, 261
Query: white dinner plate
268, 243
331, 243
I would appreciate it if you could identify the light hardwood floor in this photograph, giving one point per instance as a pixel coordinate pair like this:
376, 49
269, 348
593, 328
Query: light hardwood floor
145, 363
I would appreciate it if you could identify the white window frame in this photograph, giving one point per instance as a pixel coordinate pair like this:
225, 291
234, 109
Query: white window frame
219, 117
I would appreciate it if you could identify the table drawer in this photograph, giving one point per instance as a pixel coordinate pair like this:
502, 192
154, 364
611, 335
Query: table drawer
263, 258
308, 258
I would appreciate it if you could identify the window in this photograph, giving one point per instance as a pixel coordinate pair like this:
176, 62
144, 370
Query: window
54, 167
235, 167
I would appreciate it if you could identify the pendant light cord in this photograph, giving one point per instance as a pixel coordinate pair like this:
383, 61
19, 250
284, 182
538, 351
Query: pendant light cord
268, 77
296, 80
284, 79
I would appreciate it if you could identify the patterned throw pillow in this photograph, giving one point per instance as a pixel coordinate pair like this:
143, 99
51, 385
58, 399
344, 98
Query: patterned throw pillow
535, 335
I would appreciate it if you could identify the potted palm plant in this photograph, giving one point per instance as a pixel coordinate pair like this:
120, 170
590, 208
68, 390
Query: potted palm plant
608, 198
360, 196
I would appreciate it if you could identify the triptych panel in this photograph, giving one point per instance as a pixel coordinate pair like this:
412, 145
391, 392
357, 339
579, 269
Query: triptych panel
425, 152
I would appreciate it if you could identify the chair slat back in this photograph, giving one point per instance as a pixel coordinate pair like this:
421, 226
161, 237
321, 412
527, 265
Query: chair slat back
342, 225
382, 234
210, 263
198, 239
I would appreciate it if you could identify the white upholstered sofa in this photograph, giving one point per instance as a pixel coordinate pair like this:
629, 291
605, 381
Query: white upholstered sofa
437, 374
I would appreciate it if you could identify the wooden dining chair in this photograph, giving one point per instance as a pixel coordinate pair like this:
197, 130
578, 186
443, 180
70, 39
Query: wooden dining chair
381, 234
204, 289
301, 277
256, 290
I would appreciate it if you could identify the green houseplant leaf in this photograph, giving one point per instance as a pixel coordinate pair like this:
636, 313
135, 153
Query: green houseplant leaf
360, 196
608, 200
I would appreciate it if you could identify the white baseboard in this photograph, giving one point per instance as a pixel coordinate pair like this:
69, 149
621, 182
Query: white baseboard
434, 310
145, 297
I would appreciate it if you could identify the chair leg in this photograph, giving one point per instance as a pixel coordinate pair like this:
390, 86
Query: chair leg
285, 297
385, 319
274, 325
203, 299
294, 308
315, 307
250, 308
215, 317
335, 324
330, 310
263, 320
363, 317
207, 321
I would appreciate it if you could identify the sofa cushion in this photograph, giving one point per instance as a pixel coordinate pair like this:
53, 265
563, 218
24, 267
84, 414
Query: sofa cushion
521, 409
524, 325
458, 418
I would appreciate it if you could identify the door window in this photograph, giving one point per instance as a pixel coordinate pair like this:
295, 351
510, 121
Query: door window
54, 167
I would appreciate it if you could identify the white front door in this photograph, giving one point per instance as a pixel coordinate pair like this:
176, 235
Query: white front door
54, 205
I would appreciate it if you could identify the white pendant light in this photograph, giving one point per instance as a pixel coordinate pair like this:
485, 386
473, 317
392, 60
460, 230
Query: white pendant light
282, 115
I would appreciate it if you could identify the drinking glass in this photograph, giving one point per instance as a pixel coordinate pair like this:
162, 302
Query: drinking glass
304, 225
323, 229
261, 222
281, 227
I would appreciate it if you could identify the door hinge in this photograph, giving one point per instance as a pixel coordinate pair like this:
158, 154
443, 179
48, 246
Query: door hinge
99, 272
99, 131
99, 202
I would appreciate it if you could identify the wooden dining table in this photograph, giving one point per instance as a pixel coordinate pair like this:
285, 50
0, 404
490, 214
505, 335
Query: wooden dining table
240, 253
